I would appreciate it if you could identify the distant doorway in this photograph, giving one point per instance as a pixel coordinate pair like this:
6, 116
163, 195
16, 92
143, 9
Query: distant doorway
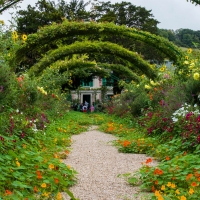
86, 97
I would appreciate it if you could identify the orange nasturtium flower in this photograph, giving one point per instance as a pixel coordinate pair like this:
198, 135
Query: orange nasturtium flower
35, 189
194, 184
188, 177
158, 171
148, 160
8, 192
126, 143
56, 180
167, 158
156, 182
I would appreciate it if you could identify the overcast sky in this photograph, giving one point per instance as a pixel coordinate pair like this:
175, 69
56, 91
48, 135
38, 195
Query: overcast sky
172, 14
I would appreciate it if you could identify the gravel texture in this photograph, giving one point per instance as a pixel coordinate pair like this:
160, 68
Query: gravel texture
98, 164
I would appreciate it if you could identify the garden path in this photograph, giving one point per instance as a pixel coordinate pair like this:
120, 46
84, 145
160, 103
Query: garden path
98, 163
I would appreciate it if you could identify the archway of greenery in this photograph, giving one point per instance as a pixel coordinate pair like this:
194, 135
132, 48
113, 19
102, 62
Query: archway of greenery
99, 69
56, 32
137, 63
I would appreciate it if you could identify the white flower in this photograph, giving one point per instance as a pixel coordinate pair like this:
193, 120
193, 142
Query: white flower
17, 110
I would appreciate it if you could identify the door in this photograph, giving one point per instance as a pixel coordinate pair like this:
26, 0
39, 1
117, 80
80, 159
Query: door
87, 97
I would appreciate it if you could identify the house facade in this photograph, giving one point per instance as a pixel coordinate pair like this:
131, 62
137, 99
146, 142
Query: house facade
95, 91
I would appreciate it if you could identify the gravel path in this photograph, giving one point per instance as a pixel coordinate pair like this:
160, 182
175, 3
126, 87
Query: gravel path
98, 163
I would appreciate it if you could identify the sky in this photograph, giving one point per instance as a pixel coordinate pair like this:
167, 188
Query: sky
172, 14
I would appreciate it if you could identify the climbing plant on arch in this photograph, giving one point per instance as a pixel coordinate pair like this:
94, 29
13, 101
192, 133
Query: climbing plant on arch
138, 64
55, 32
100, 69
56, 36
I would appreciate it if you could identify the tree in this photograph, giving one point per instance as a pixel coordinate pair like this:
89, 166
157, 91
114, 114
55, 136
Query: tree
46, 12
197, 2
6, 4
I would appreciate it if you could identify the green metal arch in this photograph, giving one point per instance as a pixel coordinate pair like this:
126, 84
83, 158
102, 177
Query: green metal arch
138, 64
55, 32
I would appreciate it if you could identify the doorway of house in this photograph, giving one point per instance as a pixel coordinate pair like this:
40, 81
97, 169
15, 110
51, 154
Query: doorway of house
86, 97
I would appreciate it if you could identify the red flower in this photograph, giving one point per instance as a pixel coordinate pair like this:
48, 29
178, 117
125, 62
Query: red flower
126, 143
194, 184
56, 180
167, 158
35, 189
148, 160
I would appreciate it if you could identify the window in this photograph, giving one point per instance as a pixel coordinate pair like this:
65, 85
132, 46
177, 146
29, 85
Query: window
107, 82
87, 83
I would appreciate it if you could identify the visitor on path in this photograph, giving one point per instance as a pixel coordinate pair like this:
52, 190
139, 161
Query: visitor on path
92, 108
81, 107
84, 108
86, 104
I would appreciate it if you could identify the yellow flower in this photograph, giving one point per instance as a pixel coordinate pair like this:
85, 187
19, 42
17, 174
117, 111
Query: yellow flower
189, 50
44, 185
180, 71
183, 198
177, 191
162, 69
157, 193
173, 185
45, 194
186, 57
143, 76
196, 76
2, 22
160, 198
51, 166
191, 67
148, 87
24, 37
18, 163
163, 187
14, 35
169, 184
59, 196
191, 191
152, 82
186, 62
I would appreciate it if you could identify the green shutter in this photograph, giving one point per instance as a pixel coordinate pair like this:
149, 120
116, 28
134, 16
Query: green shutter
91, 83
104, 82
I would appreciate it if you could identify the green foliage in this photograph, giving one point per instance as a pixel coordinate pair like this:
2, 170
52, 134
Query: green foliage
104, 47
197, 2
54, 32
182, 37
6, 4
